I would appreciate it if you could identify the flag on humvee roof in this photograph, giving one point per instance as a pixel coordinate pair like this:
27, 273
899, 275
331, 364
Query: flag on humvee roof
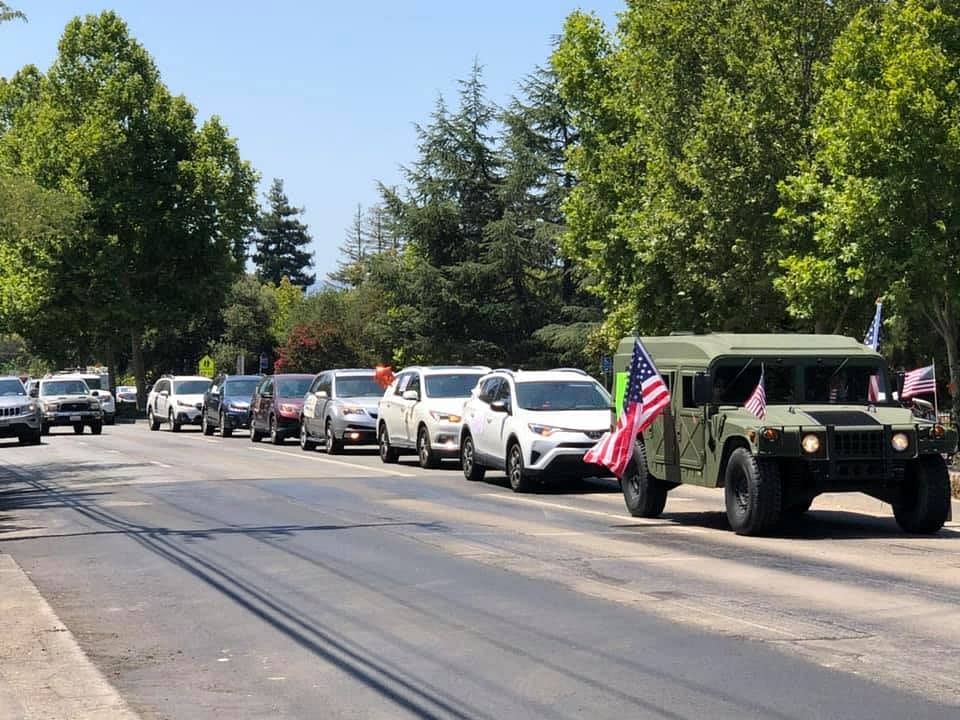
873, 340
646, 396
757, 402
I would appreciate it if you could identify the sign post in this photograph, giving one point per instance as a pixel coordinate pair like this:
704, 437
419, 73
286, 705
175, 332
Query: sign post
264, 363
206, 366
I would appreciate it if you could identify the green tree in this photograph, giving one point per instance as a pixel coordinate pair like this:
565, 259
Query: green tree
167, 202
7, 13
280, 241
687, 122
248, 316
876, 210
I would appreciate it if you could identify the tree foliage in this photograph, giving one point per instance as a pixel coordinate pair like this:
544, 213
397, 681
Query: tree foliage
280, 241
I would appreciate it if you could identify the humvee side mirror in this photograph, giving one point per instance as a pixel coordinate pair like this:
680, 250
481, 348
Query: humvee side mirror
900, 378
702, 388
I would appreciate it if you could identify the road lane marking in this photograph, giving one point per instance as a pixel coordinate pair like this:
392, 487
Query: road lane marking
320, 458
160, 464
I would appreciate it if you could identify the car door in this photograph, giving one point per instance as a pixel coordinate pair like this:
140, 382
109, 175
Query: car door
310, 404
482, 416
214, 399
262, 403
410, 408
162, 402
690, 427
392, 413
324, 398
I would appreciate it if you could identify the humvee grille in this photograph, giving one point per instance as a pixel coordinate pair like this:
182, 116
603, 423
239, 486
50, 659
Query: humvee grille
858, 444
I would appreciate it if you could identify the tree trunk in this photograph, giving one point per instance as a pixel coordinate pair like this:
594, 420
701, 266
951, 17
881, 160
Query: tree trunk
139, 372
110, 355
953, 366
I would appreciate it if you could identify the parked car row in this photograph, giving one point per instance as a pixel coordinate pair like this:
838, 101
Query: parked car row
530, 424
61, 400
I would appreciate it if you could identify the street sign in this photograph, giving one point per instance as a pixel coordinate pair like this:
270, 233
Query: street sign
606, 363
264, 362
206, 366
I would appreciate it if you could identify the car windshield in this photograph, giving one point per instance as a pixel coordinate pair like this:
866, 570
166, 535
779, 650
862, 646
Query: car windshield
240, 388
293, 387
562, 395
191, 387
451, 385
93, 383
11, 388
352, 387
64, 387
804, 380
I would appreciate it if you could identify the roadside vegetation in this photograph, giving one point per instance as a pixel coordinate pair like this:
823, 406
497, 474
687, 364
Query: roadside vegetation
744, 166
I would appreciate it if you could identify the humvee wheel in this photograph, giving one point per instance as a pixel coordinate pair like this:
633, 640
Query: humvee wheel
925, 503
644, 495
753, 492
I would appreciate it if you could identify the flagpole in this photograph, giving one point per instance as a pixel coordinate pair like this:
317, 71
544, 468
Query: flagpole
936, 405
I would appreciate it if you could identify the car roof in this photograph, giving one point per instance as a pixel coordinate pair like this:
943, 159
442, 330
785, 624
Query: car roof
551, 376
186, 377
352, 371
227, 378
701, 349
447, 368
11, 377
293, 375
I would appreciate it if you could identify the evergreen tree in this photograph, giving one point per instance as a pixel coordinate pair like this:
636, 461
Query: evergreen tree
280, 241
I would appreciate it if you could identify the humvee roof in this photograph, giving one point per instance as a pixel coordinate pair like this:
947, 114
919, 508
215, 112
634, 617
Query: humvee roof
701, 349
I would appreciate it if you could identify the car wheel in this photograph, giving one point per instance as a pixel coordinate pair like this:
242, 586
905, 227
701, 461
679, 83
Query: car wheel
428, 459
333, 446
472, 470
96, 428
78, 428
174, 425
925, 501
520, 481
753, 491
152, 420
388, 454
225, 431
109, 419
205, 423
44, 429
255, 435
275, 437
644, 495
306, 444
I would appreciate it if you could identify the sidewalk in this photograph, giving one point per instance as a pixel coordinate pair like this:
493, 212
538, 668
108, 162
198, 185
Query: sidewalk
43, 672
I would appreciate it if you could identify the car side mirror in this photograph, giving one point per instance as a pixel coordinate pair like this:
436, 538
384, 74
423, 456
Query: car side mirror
34, 392
95, 393
411, 395
322, 394
500, 406
165, 393
702, 388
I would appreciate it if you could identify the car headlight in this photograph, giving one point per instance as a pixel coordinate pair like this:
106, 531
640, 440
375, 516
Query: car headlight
50, 407
352, 410
94, 405
900, 441
544, 430
937, 431
810, 443
444, 417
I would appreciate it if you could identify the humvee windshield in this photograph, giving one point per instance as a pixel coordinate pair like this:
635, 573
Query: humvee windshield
799, 380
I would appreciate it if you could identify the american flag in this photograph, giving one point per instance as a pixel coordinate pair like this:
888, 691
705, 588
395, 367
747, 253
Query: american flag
757, 402
919, 382
645, 398
873, 340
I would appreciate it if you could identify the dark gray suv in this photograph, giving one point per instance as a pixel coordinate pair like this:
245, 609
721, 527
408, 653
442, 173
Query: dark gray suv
340, 409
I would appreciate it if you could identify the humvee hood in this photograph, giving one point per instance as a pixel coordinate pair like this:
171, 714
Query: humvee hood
809, 416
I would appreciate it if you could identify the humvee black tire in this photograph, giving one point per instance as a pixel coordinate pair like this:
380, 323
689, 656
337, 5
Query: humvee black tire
797, 508
926, 497
753, 491
644, 495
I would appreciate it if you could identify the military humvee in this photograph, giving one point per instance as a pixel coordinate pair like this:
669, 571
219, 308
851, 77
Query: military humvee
825, 430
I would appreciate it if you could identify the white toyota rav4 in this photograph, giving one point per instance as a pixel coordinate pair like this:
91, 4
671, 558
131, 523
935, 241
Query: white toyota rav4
534, 425
421, 412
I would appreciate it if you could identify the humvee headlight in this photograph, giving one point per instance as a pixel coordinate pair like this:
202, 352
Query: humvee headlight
937, 431
900, 441
810, 443
770, 434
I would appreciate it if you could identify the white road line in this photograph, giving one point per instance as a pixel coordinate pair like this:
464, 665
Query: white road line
570, 508
320, 458
160, 464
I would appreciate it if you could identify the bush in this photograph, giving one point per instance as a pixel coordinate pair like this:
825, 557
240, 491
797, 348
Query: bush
314, 346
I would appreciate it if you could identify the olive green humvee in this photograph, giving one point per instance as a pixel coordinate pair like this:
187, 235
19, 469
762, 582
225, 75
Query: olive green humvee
831, 425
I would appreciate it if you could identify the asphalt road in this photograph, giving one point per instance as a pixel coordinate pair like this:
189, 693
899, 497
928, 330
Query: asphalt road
216, 578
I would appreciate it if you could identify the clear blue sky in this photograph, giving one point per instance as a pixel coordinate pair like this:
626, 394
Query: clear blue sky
321, 94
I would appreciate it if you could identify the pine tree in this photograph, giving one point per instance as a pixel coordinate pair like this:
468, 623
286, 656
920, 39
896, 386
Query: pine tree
280, 241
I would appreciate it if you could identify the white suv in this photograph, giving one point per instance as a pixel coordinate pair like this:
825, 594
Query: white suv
534, 425
176, 400
421, 412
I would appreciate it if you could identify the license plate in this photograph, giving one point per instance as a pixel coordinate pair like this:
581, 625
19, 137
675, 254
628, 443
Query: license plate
75, 418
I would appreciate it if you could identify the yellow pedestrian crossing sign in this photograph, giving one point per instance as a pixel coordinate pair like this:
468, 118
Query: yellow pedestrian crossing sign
207, 366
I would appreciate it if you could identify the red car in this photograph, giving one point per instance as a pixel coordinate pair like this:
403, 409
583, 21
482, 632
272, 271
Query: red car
276, 406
